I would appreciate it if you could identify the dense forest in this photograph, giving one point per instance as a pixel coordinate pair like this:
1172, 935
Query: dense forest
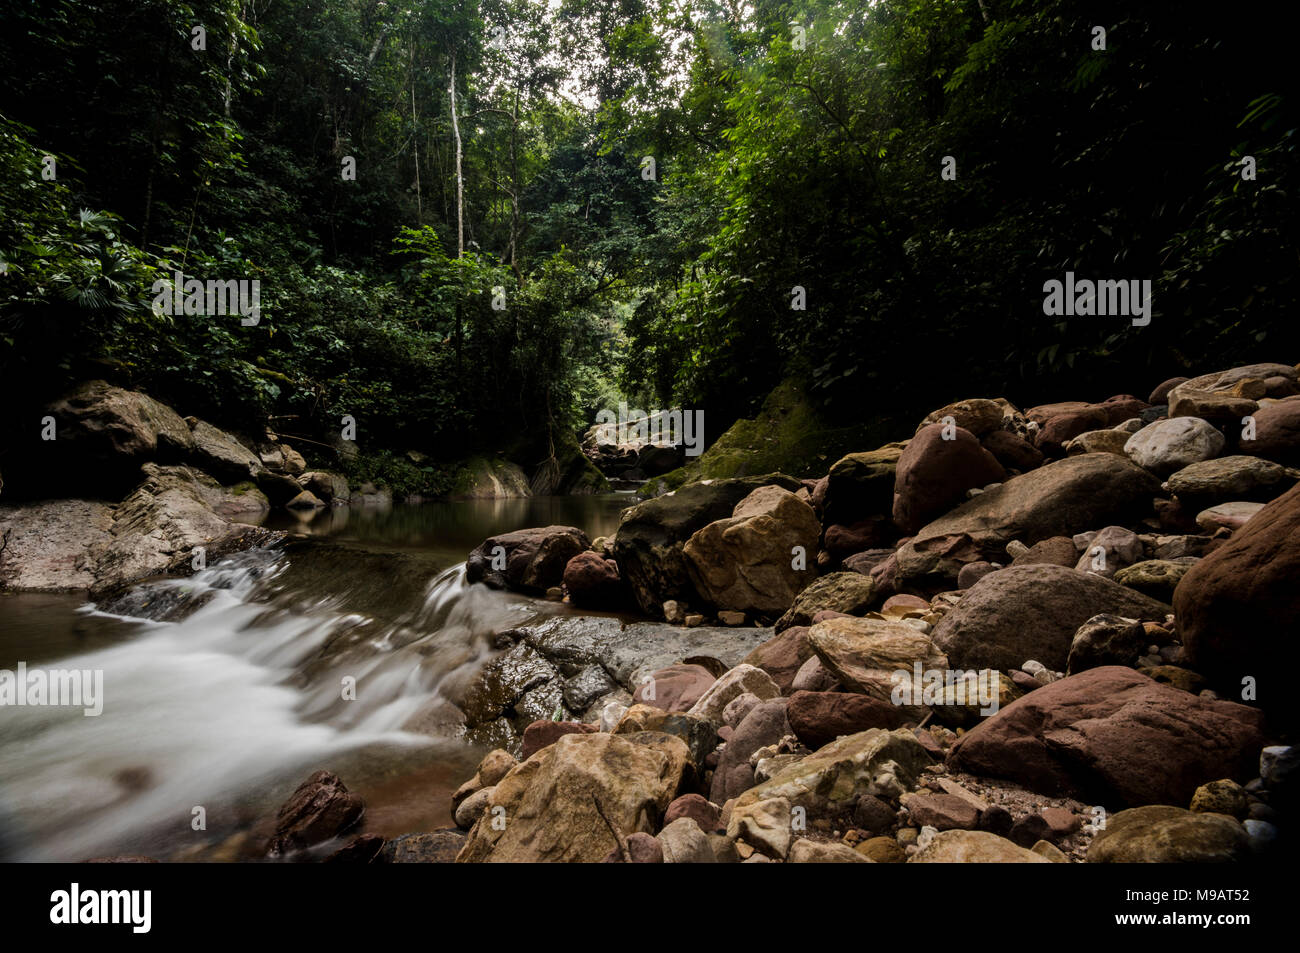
475, 223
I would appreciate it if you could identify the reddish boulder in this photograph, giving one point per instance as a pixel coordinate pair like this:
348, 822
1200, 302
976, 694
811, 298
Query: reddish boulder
698, 808
675, 688
1113, 736
818, 718
1277, 433
1237, 607
782, 656
592, 581
543, 732
1012, 451
527, 560
934, 474
766, 724
1161, 394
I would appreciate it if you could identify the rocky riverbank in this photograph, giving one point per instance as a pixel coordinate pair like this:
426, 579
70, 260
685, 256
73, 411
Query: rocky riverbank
1097, 597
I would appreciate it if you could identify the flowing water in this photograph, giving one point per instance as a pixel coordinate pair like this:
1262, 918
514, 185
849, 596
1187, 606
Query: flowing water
224, 690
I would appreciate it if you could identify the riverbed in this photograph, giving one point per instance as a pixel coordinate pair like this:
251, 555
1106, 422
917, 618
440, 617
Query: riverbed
224, 690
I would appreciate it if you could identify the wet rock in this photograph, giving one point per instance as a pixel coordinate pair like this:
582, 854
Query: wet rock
321, 808
432, 847
527, 560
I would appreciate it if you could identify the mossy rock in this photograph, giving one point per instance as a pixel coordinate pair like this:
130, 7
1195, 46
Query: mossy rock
787, 435
482, 478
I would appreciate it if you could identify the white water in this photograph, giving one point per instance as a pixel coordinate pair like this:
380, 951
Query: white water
203, 711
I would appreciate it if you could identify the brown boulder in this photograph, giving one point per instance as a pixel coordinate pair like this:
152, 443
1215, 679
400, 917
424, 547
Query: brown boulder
321, 808
592, 581
1237, 607
542, 732
527, 560
1061, 499
1012, 451
934, 473
1114, 736
818, 718
1277, 433
782, 656
1032, 612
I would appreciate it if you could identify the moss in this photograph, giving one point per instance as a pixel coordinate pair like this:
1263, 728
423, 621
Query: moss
788, 435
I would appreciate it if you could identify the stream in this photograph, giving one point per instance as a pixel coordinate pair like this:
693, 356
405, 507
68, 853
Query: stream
225, 690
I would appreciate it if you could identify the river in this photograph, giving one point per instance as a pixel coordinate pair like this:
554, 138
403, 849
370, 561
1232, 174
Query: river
224, 690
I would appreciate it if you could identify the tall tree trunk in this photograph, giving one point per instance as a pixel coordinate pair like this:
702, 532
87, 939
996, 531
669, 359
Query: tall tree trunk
415, 146
460, 179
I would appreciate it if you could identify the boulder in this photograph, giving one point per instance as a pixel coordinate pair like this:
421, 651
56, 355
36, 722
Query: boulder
1228, 395
1114, 737
877, 762
743, 678
328, 487
110, 432
865, 654
861, 485
1106, 640
1060, 499
1012, 451
218, 453
765, 825
973, 847
1237, 477
979, 415
697, 808
934, 472
1277, 433
1109, 550
1098, 441
847, 592
818, 718
1032, 612
527, 560
592, 581
805, 851
1055, 551
766, 724
1169, 445
432, 847
1237, 607
1059, 429
682, 842
1157, 578
1161, 834
782, 656
560, 804
699, 734
648, 546
543, 732
747, 563
1161, 394
675, 688
943, 812
1231, 516
320, 809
